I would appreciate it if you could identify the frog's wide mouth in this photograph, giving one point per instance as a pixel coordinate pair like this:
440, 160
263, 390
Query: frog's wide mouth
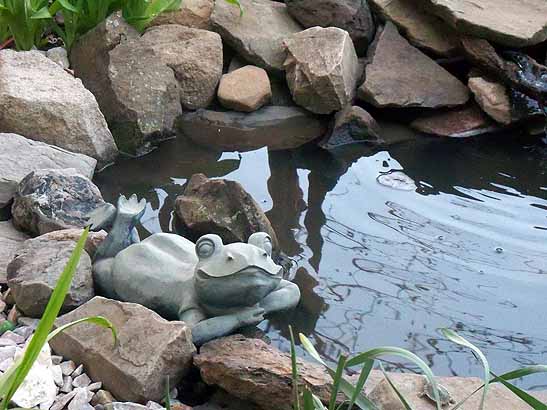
249, 270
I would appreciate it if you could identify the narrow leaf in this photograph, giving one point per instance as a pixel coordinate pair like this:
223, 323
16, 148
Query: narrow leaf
310, 349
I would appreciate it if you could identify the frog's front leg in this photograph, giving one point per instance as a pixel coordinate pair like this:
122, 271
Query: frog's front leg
284, 297
204, 330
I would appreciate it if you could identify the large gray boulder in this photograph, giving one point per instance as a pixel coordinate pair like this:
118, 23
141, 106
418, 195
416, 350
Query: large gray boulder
150, 349
353, 16
275, 127
257, 35
19, 156
507, 22
41, 101
322, 69
422, 28
399, 75
10, 241
220, 207
142, 83
35, 270
49, 200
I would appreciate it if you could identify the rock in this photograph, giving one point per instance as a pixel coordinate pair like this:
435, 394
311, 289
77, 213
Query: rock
221, 207
400, 75
19, 156
67, 385
457, 123
410, 385
257, 35
40, 100
141, 82
254, 371
62, 401
124, 406
322, 69
353, 125
353, 16
492, 98
102, 397
510, 23
192, 13
94, 239
50, 199
33, 274
38, 387
245, 89
10, 241
81, 400
68, 367
276, 127
81, 381
58, 55
418, 25
149, 349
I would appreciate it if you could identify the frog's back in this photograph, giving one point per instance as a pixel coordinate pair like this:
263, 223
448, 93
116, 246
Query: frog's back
157, 273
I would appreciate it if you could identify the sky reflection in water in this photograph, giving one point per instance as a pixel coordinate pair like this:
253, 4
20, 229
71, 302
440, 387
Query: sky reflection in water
391, 246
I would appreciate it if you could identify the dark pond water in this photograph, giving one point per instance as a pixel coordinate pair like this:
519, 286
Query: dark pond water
382, 260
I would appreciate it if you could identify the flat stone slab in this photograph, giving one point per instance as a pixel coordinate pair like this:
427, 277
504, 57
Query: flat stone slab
10, 240
456, 123
19, 156
508, 22
419, 26
400, 75
258, 34
274, 127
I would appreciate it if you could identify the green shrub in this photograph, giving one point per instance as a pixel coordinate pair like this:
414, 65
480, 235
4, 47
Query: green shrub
26, 21
140, 13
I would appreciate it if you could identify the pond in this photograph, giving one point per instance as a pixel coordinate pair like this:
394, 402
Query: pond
391, 245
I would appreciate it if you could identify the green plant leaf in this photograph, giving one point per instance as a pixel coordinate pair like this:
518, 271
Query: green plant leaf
238, 4
310, 349
356, 394
96, 320
524, 396
456, 338
307, 400
167, 394
43, 13
294, 368
338, 375
67, 5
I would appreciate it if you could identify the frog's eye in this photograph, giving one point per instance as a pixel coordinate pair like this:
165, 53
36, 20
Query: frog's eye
263, 241
207, 245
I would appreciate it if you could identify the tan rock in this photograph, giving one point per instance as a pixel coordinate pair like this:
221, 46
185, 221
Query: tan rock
420, 27
94, 239
150, 349
508, 22
493, 98
322, 69
10, 240
192, 13
254, 371
221, 207
400, 75
410, 386
245, 89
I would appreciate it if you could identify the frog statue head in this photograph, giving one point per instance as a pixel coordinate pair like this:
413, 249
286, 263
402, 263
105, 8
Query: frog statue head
237, 275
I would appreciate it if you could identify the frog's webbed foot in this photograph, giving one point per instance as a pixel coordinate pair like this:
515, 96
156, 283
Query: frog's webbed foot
102, 217
132, 206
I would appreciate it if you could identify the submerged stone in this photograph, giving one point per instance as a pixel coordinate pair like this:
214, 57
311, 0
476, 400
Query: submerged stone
274, 127
399, 75
353, 125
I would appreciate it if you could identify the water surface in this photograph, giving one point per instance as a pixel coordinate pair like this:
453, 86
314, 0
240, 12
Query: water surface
390, 246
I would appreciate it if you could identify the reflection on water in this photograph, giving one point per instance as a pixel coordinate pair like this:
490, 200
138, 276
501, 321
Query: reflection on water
391, 246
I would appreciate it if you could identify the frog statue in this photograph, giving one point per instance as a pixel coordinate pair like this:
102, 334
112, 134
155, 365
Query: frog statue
214, 288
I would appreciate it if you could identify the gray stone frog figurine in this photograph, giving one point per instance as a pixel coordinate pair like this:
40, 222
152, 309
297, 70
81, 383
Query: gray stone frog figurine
214, 288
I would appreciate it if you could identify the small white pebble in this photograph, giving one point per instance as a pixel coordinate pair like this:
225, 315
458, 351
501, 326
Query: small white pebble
68, 367
82, 380
79, 370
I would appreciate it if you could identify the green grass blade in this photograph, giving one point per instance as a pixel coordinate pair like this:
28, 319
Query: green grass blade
294, 367
527, 398
310, 349
405, 354
397, 392
456, 338
46, 323
307, 400
317, 403
337, 378
238, 4
355, 393
167, 395
363, 377
96, 320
